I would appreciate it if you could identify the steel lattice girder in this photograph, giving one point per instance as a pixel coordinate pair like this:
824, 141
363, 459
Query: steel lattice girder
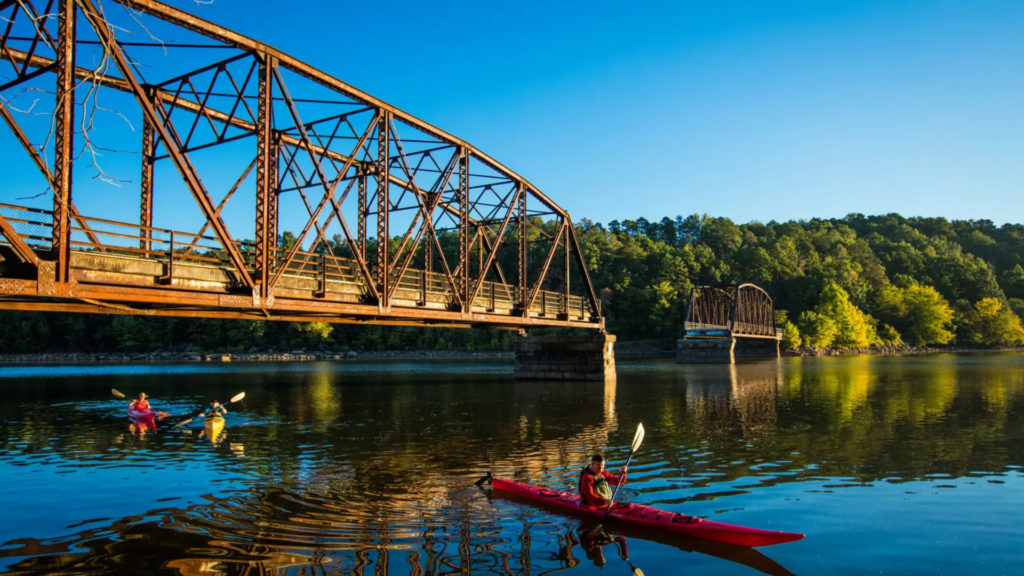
447, 184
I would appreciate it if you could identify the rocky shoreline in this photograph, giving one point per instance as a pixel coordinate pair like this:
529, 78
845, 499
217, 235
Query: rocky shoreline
897, 350
165, 357
872, 350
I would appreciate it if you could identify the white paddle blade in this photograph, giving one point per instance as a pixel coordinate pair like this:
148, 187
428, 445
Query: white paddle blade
117, 392
237, 397
638, 438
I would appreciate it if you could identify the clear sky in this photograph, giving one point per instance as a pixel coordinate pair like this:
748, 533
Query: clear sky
751, 110
754, 110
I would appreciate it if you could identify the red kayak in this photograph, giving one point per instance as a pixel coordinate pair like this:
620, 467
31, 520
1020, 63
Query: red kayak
145, 419
643, 517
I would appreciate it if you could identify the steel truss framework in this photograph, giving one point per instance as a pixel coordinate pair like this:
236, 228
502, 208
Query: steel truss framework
393, 220
744, 311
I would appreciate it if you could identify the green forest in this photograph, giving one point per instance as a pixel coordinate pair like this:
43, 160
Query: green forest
854, 282
850, 283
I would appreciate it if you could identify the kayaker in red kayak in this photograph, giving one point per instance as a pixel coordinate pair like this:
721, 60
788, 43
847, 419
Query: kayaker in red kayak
596, 482
140, 403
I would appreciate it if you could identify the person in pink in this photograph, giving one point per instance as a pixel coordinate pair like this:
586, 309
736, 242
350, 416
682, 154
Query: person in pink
596, 482
140, 403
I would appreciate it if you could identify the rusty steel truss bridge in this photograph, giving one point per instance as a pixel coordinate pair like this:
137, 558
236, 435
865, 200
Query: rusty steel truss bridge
730, 311
157, 163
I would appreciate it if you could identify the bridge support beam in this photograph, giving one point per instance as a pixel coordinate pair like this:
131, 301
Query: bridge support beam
587, 357
725, 350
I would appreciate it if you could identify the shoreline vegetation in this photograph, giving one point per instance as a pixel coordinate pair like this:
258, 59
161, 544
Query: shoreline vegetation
629, 351
886, 283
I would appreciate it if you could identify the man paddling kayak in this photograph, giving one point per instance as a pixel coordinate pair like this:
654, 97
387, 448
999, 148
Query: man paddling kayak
596, 482
215, 409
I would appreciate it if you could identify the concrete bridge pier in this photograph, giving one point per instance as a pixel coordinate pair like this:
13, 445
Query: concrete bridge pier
583, 357
725, 350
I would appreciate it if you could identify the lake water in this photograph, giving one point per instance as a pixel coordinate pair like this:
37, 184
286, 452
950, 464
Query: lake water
890, 465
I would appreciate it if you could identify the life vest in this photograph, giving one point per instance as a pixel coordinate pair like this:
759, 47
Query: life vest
142, 405
601, 486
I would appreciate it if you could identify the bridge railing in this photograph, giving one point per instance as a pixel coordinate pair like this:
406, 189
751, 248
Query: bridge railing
319, 265
90, 234
33, 225
706, 327
174, 247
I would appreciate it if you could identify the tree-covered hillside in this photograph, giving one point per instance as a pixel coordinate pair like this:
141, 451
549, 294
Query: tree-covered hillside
852, 282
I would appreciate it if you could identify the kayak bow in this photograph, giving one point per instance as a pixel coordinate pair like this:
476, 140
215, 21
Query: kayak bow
143, 418
213, 426
642, 517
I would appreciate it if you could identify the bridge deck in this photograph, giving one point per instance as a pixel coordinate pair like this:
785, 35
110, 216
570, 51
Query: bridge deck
739, 330
117, 267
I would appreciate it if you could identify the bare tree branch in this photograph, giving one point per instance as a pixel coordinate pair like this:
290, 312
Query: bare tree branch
135, 16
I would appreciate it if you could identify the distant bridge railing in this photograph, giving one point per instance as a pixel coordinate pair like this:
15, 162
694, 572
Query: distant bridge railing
743, 310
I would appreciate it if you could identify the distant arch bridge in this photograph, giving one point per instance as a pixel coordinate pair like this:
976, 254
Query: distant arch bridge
170, 156
730, 311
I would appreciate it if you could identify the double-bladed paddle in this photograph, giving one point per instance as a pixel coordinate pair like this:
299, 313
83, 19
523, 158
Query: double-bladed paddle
236, 398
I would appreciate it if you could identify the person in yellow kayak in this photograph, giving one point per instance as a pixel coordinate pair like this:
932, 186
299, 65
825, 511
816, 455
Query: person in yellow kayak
596, 482
215, 409
213, 422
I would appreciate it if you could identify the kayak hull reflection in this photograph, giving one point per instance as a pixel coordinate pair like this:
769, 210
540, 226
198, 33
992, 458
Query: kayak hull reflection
145, 419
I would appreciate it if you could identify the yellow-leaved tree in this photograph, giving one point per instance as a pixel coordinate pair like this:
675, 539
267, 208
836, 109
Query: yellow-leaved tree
918, 312
991, 323
836, 321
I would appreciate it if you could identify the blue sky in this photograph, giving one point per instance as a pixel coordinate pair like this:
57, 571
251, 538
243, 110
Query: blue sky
749, 110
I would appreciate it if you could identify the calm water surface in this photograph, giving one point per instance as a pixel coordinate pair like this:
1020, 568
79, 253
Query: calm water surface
908, 465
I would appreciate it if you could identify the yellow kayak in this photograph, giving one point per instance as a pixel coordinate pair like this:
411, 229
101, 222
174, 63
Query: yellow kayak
214, 425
